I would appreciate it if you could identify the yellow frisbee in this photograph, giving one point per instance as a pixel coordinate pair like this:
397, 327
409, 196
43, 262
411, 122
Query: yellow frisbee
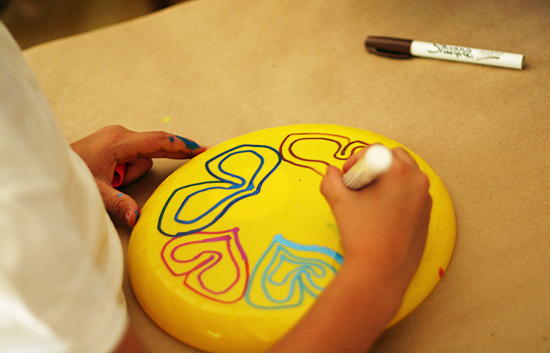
233, 247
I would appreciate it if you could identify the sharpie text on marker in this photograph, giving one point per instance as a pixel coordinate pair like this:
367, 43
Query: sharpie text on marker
405, 48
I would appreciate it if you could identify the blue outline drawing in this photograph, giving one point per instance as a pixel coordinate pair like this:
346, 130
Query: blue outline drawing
238, 187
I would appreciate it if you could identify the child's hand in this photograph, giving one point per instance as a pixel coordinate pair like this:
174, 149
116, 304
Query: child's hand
383, 227
106, 148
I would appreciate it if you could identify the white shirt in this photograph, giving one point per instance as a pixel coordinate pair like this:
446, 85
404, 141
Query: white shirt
61, 261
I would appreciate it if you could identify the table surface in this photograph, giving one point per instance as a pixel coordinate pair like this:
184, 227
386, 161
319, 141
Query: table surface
214, 70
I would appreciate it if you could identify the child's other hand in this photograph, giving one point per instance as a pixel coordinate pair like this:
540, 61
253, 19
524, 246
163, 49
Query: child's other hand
383, 227
112, 145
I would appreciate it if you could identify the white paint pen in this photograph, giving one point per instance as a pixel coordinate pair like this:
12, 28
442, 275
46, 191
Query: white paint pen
375, 162
405, 48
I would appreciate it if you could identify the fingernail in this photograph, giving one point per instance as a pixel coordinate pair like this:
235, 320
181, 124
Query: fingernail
137, 214
188, 143
171, 139
119, 195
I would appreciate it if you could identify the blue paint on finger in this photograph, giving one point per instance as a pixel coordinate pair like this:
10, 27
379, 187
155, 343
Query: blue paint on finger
188, 143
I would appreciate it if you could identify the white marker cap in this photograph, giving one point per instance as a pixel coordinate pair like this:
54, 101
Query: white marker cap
376, 161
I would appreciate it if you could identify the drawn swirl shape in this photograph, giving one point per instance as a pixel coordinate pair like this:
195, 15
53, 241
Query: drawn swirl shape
204, 263
226, 190
331, 149
288, 271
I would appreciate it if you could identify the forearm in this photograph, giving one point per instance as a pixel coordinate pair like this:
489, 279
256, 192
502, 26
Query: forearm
348, 316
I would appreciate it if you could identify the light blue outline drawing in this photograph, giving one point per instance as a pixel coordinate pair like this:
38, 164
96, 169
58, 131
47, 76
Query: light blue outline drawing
299, 278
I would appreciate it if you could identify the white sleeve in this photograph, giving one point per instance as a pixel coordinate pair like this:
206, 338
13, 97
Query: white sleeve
61, 261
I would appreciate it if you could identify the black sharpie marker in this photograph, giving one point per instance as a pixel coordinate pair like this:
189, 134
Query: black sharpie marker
405, 48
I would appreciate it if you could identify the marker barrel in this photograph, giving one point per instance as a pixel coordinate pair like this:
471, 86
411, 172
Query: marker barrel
376, 161
466, 54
